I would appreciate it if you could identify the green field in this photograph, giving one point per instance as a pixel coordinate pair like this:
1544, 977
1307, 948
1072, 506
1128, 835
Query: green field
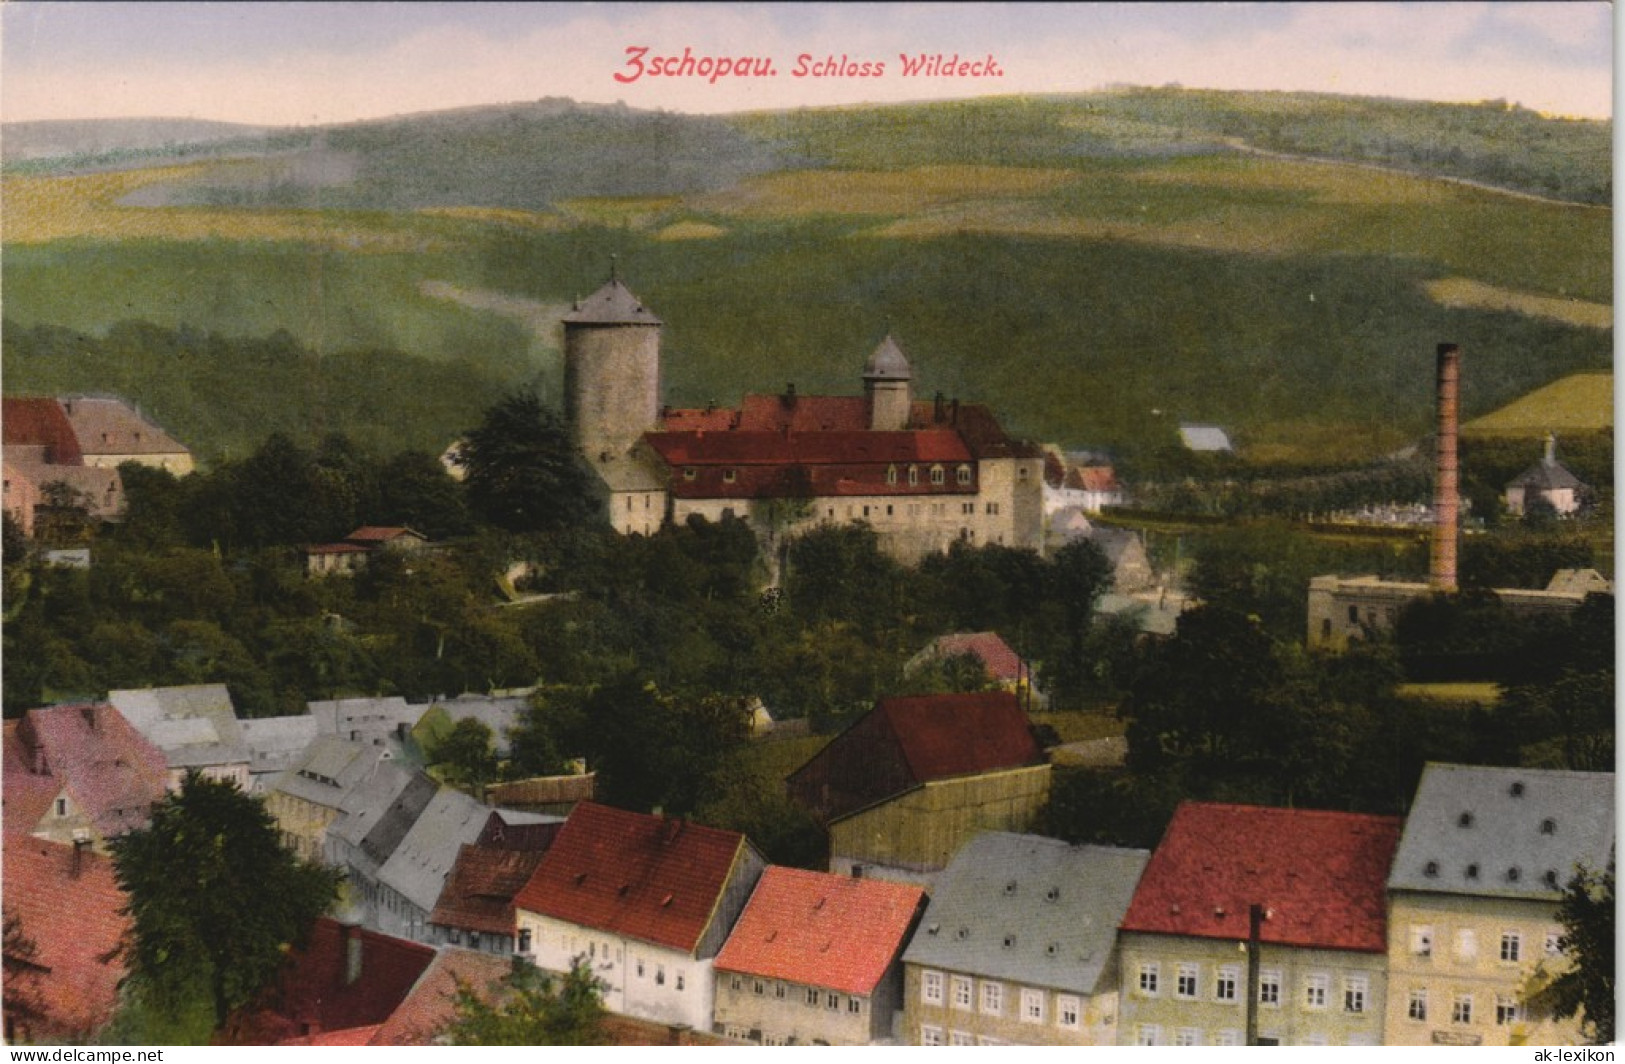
1582, 403
1098, 269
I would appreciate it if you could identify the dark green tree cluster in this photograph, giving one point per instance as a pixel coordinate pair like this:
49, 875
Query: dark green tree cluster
529, 1007
1585, 987
215, 901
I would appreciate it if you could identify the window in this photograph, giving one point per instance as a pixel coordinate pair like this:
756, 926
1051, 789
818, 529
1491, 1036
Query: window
930, 1036
1554, 939
679, 980
1511, 946
993, 998
1067, 1009
1314, 991
1148, 981
779, 990
1507, 1011
854, 1005
967, 507
1421, 940
938, 475
960, 1038
729, 476
1462, 1010
1148, 1034
1187, 1036
1269, 988
993, 508
1185, 981
660, 975
524, 945
1355, 990
759, 988
931, 988
61, 807
1032, 1006
1417, 1007
964, 474
1466, 944
1227, 1037
735, 983
891, 474
812, 995
962, 992
832, 1000
1224, 984
689, 473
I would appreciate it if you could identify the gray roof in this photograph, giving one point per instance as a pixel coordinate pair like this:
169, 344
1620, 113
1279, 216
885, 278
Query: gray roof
1204, 438
367, 720
613, 304
497, 712
417, 869
1546, 475
1029, 909
275, 743
362, 809
888, 363
398, 818
330, 767
1471, 827
194, 726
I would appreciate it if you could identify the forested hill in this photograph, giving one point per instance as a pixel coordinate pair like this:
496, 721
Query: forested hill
528, 155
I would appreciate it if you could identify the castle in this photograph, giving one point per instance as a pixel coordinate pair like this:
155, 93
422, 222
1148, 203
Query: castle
923, 475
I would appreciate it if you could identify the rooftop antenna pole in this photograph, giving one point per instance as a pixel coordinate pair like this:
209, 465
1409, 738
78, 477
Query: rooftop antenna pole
612, 267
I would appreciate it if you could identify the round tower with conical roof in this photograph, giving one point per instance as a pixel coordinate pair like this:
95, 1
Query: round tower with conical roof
887, 377
611, 371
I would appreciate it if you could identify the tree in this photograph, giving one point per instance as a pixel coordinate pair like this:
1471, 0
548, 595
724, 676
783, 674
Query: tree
215, 901
530, 1008
1587, 985
467, 751
523, 471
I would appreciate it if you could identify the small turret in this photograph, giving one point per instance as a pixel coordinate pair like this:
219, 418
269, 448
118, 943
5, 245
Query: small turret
887, 377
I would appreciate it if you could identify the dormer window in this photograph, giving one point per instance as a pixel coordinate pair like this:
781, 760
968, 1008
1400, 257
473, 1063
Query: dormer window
1465, 820
891, 475
729, 476
1551, 878
1513, 874
964, 475
938, 475
1516, 790
1431, 869
1548, 826
1052, 893
1009, 941
1472, 871
689, 472
913, 475
1010, 887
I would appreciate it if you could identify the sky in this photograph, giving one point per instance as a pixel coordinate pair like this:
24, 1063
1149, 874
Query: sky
317, 63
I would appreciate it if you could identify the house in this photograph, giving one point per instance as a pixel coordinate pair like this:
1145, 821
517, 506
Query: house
1473, 899
430, 1004
498, 712
64, 924
373, 817
648, 900
79, 772
196, 727
1348, 609
914, 779
815, 960
923, 475
557, 795
1019, 945
41, 450
476, 906
1005, 668
1081, 481
383, 722
274, 745
410, 881
305, 800
1124, 549
111, 432
352, 553
1549, 482
1197, 970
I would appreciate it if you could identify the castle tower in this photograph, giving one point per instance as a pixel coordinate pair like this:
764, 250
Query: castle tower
611, 371
886, 379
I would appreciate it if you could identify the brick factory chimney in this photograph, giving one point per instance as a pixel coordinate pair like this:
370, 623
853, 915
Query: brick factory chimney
1447, 473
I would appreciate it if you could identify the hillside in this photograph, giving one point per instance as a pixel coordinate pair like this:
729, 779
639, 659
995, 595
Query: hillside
23, 141
1098, 268
1583, 403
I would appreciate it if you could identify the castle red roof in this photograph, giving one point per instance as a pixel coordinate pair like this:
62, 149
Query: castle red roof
750, 464
1320, 875
41, 423
641, 876
906, 742
69, 907
823, 930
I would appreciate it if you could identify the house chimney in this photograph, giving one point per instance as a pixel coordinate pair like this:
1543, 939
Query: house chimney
1446, 496
352, 954
1551, 449
81, 843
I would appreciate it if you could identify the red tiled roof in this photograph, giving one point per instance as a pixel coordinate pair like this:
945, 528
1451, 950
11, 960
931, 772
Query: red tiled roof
807, 413
1097, 478
110, 771
808, 448
636, 875
428, 1006
1320, 874
112, 426
41, 422
1001, 661
822, 930
74, 921
315, 995
479, 890
378, 534
28, 795
906, 742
